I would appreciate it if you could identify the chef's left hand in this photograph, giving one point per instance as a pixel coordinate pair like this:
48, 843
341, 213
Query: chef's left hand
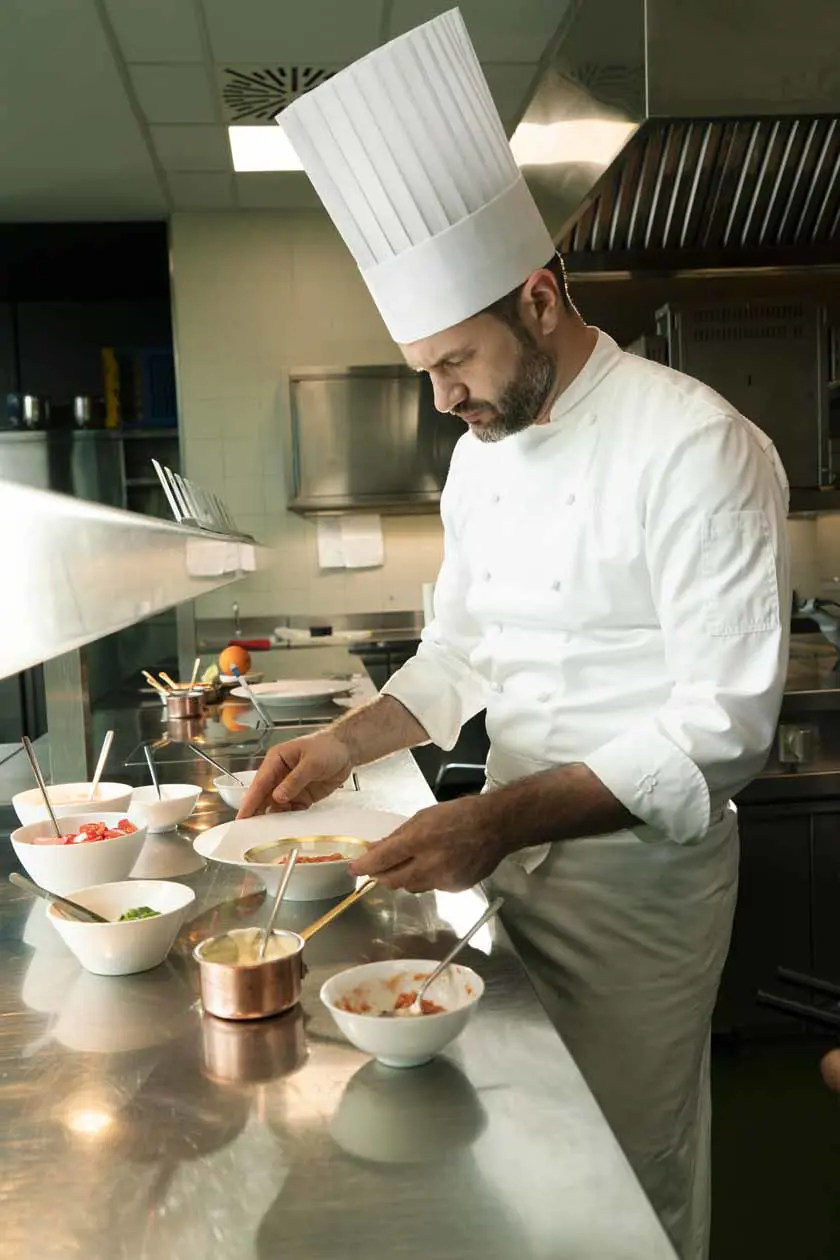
449, 847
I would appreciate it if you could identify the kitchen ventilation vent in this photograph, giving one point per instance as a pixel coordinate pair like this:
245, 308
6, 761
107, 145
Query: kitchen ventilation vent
256, 94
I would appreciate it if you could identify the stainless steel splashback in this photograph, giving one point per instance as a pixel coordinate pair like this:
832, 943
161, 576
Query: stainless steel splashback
367, 437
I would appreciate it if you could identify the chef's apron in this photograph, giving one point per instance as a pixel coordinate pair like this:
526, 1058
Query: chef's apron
624, 937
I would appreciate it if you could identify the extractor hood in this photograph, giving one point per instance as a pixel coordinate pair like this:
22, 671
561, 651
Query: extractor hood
669, 134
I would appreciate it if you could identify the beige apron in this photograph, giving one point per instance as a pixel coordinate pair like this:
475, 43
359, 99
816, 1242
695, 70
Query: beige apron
625, 940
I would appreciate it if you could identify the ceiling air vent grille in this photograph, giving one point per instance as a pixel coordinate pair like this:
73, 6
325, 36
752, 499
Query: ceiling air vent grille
256, 94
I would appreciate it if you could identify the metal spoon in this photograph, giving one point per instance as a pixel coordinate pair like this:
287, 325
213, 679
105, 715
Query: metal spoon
152, 771
195, 672
416, 1007
227, 773
71, 908
36, 770
246, 687
281, 892
100, 765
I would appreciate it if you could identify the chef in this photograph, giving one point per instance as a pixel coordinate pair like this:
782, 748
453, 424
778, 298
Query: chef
614, 592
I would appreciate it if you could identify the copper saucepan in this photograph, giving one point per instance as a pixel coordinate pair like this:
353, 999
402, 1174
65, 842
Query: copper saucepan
256, 990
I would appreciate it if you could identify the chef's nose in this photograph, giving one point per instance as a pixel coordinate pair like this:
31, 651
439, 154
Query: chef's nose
448, 394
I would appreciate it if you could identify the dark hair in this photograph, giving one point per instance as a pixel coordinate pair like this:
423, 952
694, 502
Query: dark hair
507, 308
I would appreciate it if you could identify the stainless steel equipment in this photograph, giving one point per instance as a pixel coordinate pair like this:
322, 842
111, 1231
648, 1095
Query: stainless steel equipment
367, 437
737, 158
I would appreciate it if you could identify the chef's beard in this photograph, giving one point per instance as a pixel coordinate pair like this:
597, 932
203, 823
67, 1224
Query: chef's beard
522, 399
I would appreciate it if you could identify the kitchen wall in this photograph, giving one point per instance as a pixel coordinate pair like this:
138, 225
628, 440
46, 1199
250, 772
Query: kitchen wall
255, 294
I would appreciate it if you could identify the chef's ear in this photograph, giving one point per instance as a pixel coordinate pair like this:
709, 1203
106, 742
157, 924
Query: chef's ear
542, 302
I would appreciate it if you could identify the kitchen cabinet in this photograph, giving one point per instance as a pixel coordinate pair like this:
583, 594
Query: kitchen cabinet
825, 895
773, 917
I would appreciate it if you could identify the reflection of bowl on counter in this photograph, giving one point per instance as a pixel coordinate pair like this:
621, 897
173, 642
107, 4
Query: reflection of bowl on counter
358, 998
248, 1053
47, 979
107, 1015
166, 855
71, 798
407, 1117
175, 804
121, 949
62, 867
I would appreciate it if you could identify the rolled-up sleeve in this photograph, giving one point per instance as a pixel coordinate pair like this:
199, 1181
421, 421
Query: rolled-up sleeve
715, 507
439, 686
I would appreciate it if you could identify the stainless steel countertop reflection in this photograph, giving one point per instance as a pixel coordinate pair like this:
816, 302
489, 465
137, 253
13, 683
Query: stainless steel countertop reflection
136, 1127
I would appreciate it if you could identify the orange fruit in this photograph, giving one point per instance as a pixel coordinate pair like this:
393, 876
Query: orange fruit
238, 656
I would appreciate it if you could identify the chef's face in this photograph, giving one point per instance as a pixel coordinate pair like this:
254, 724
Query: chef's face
492, 374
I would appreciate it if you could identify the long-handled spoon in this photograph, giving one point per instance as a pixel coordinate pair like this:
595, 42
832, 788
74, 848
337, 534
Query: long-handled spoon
152, 771
39, 778
281, 892
100, 765
227, 773
71, 908
416, 1007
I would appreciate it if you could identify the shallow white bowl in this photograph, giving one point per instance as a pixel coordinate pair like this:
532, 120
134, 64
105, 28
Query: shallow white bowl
62, 867
412, 1040
232, 788
311, 881
121, 949
71, 798
177, 802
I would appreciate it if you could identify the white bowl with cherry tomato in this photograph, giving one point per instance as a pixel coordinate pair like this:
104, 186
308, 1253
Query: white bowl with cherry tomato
93, 849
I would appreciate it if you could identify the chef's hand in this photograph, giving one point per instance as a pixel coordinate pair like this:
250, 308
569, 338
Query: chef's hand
297, 774
450, 847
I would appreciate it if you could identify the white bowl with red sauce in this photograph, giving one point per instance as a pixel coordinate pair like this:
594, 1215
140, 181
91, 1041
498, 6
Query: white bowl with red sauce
364, 1000
61, 867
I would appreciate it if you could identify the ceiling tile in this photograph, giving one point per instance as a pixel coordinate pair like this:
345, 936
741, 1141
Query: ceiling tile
201, 191
174, 94
192, 148
500, 30
164, 31
270, 31
271, 190
71, 146
510, 85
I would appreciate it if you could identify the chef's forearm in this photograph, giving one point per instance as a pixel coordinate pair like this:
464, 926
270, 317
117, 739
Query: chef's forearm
560, 804
376, 729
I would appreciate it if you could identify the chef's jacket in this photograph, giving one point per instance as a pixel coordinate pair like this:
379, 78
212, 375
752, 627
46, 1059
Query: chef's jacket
615, 591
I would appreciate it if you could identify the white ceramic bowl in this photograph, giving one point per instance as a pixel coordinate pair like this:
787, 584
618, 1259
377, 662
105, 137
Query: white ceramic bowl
121, 949
412, 1040
62, 867
310, 881
71, 798
232, 789
177, 802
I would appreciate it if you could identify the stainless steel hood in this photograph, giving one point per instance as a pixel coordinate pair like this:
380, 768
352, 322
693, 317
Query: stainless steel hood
731, 135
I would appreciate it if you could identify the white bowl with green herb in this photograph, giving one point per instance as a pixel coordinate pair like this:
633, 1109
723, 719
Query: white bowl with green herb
144, 918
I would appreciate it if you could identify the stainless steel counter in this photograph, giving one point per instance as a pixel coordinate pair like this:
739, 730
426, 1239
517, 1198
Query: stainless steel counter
135, 1127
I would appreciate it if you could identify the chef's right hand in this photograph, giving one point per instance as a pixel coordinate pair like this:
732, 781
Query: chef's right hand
297, 774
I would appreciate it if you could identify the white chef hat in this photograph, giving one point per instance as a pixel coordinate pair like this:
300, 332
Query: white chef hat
408, 154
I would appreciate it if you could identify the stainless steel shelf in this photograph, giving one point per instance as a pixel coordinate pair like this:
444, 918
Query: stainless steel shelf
76, 571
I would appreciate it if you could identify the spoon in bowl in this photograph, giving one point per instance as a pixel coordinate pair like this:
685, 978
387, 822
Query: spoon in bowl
71, 909
281, 892
416, 1007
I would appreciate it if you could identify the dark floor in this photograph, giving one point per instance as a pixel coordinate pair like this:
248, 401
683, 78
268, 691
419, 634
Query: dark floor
776, 1159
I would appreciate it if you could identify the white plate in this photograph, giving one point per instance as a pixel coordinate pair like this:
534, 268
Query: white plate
230, 680
295, 693
227, 843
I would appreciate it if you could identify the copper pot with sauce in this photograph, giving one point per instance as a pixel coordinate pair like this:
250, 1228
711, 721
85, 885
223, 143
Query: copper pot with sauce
235, 989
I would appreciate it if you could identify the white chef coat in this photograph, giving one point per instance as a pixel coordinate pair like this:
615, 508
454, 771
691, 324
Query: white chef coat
615, 589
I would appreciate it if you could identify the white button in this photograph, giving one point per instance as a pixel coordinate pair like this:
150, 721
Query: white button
494, 498
570, 498
647, 783
496, 686
486, 576
544, 697
555, 585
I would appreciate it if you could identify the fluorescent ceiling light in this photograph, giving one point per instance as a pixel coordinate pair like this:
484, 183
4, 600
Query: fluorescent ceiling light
262, 149
594, 140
